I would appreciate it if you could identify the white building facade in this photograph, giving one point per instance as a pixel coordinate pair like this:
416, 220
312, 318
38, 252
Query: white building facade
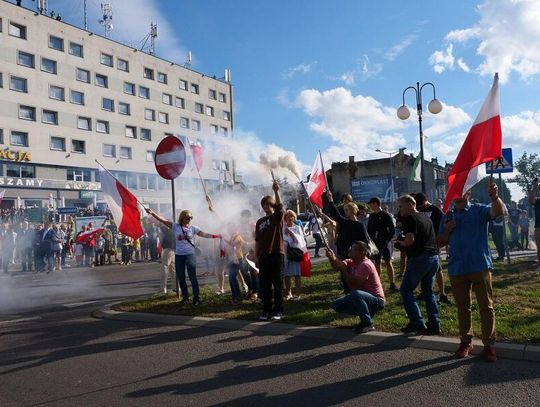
69, 97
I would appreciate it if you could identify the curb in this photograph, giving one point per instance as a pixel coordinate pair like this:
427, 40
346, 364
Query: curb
523, 352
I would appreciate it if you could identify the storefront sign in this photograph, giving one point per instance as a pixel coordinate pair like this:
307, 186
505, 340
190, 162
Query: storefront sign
363, 189
48, 184
15, 155
86, 194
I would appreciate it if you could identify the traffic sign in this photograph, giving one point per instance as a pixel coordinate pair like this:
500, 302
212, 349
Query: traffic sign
503, 164
170, 158
65, 211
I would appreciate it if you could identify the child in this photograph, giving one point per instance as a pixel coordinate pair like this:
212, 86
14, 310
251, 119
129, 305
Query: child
524, 228
79, 254
100, 250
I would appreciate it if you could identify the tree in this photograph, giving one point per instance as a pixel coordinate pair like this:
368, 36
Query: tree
480, 191
528, 167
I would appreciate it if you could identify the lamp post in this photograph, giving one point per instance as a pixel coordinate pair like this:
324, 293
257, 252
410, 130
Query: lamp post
403, 113
390, 154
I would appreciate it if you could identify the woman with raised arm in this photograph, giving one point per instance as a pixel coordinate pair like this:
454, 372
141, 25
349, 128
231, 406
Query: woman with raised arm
184, 233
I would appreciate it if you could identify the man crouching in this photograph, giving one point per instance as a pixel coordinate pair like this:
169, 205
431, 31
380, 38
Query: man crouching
367, 295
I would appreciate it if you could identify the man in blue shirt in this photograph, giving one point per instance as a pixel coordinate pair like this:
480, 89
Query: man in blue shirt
533, 200
465, 229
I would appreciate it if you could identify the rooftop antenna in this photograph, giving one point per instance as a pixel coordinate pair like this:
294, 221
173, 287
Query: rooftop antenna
227, 77
187, 64
42, 6
106, 21
152, 37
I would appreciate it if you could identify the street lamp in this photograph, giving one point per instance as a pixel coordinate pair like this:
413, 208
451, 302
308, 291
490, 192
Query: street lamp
390, 154
403, 113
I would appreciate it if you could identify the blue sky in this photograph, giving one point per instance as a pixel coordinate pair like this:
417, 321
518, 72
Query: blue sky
328, 75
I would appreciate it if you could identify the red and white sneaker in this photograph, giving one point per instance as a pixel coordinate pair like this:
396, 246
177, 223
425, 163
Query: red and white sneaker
489, 354
463, 350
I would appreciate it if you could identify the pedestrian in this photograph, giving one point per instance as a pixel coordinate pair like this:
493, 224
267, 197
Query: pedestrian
295, 247
534, 200
100, 250
8, 238
79, 254
38, 250
419, 242
167, 259
470, 266
233, 251
57, 246
513, 224
269, 251
315, 225
524, 230
185, 253
47, 246
381, 229
24, 245
496, 229
366, 297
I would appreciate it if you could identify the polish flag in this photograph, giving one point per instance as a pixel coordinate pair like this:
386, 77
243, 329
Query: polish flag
85, 237
317, 182
197, 152
483, 144
122, 204
2, 195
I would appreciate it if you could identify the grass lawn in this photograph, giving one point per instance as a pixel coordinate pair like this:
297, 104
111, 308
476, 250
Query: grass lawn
517, 305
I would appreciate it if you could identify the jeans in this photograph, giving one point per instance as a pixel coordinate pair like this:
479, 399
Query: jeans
189, 261
421, 270
318, 242
360, 303
497, 235
49, 259
234, 268
270, 276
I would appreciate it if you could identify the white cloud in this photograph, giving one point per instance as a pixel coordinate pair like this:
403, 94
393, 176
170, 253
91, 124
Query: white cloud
522, 130
298, 69
450, 117
464, 67
399, 48
363, 70
442, 60
505, 34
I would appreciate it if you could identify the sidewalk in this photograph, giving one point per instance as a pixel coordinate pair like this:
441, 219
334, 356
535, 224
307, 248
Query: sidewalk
523, 352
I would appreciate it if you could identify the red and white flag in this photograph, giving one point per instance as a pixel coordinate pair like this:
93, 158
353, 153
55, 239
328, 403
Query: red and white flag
85, 237
483, 144
317, 182
197, 152
122, 204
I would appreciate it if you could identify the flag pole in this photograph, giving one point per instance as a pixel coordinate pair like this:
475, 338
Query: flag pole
314, 213
208, 200
111, 174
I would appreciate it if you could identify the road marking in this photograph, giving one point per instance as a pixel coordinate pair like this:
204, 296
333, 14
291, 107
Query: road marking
78, 304
15, 321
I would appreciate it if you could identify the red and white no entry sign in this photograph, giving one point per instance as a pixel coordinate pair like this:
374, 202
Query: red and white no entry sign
170, 158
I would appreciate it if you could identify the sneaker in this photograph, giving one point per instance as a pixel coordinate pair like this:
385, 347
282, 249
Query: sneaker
394, 288
219, 292
196, 302
488, 353
433, 330
443, 298
463, 350
414, 328
362, 328
277, 317
184, 301
264, 317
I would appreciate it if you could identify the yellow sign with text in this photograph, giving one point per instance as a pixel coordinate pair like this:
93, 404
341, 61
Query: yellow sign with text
15, 155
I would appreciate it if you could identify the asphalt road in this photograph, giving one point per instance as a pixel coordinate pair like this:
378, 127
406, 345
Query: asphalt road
53, 353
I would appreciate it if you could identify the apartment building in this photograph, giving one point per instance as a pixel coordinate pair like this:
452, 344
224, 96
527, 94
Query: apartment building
69, 97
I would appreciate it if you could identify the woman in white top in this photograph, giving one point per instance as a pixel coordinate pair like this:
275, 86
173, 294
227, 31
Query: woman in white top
184, 233
293, 235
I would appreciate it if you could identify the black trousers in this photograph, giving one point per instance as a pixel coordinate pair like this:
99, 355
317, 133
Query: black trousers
270, 277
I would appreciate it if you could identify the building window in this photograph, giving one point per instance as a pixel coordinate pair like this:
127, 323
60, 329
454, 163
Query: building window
215, 165
163, 117
83, 75
107, 104
225, 165
226, 115
196, 125
224, 131
212, 94
48, 65
76, 97
195, 88
56, 43
78, 146
27, 112
19, 138
84, 123
150, 114
20, 171
26, 59
131, 132
17, 30
76, 49
150, 155
122, 65
144, 92
109, 150
162, 77
184, 122
124, 108
222, 98
49, 117
129, 88
182, 84
56, 92
180, 102
125, 153
1, 136
146, 134
166, 99
102, 126
106, 59
58, 143
18, 84
198, 107
213, 129
132, 181
78, 174
209, 111
148, 73
102, 80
